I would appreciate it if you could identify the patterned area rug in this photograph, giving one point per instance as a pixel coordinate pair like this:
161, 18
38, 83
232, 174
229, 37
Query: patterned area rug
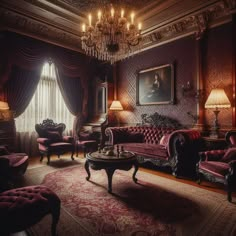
154, 206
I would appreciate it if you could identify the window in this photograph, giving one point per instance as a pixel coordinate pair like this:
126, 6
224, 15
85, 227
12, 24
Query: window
47, 102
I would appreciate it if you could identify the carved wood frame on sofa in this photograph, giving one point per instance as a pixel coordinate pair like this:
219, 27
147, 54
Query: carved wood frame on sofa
162, 143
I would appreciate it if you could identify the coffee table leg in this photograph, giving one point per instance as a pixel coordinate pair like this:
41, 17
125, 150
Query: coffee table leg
86, 166
135, 171
110, 173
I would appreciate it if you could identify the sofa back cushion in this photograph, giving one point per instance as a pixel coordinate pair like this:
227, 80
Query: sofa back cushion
151, 135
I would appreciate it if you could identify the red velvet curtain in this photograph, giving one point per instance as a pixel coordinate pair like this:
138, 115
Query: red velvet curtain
20, 88
23, 59
69, 71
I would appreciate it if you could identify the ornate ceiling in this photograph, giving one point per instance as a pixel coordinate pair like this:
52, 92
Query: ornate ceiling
59, 21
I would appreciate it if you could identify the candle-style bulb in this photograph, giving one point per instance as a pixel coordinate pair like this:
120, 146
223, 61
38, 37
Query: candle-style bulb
139, 26
132, 18
90, 19
83, 28
99, 15
122, 13
112, 12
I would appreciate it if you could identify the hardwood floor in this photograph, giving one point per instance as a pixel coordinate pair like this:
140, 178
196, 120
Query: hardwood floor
219, 188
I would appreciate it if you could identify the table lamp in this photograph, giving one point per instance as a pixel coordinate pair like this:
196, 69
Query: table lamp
217, 99
116, 106
4, 110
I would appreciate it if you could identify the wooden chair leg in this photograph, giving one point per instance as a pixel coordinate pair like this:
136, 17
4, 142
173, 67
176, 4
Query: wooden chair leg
72, 154
41, 159
48, 157
77, 150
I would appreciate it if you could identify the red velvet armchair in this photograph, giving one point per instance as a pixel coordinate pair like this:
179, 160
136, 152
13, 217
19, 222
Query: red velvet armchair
51, 139
220, 165
12, 165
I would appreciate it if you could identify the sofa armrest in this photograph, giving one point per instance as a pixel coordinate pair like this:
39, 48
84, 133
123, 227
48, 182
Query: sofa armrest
68, 139
44, 141
123, 135
183, 149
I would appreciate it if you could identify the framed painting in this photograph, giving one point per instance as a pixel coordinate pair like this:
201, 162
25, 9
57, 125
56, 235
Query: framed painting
155, 85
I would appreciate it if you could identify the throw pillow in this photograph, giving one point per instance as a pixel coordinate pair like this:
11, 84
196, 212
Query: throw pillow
230, 155
165, 140
55, 136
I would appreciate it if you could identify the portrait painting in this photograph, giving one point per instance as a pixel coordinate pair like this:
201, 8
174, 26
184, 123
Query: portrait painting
155, 85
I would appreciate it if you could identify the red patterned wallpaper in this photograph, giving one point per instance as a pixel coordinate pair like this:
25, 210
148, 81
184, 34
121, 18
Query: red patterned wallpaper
218, 70
217, 60
182, 54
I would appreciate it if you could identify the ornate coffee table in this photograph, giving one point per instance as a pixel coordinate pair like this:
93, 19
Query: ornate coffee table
98, 161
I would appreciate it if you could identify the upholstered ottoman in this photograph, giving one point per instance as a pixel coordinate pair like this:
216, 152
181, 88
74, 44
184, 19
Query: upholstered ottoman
21, 208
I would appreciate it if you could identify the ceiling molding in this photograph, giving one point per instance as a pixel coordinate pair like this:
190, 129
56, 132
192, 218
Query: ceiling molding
57, 22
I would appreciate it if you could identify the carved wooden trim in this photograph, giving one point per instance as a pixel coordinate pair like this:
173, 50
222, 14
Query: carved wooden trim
192, 24
18, 23
159, 120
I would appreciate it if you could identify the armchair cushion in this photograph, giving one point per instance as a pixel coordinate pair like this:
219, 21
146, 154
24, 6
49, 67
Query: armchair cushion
84, 136
230, 155
217, 168
68, 139
44, 141
54, 136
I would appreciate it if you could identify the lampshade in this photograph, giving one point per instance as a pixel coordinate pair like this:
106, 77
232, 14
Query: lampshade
4, 106
217, 99
116, 106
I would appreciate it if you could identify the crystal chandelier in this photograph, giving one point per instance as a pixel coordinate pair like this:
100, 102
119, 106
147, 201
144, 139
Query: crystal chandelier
113, 36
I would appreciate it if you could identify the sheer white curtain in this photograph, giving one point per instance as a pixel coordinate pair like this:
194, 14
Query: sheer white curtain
47, 102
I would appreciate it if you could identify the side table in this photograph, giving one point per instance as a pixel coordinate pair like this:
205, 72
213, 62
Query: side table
214, 143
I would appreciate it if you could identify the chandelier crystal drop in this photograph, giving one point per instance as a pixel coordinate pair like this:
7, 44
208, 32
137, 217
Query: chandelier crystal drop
113, 37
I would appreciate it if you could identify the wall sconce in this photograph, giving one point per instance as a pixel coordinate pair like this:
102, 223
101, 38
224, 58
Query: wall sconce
116, 106
217, 99
186, 88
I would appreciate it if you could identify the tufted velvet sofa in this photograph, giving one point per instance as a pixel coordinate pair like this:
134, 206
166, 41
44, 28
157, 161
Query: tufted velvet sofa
21, 208
162, 146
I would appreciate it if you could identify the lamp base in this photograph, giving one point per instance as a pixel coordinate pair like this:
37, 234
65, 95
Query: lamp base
214, 135
215, 129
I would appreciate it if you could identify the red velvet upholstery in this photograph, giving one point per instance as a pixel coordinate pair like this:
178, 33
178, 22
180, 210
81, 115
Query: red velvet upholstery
12, 165
162, 146
23, 207
219, 165
52, 141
